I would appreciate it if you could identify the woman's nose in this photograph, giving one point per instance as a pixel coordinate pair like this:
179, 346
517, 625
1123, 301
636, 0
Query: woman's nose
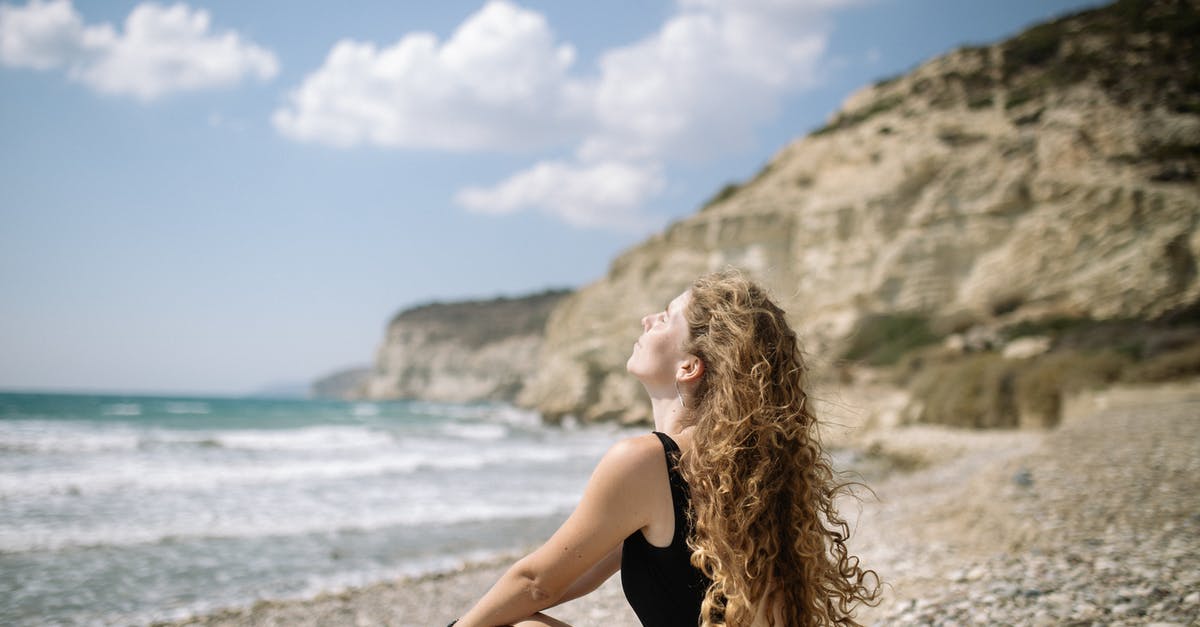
646, 322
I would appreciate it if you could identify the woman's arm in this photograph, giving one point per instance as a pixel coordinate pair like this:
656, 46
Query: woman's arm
615, 503
594, 577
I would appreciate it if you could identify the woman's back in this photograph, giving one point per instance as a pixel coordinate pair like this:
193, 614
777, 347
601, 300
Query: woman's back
659, 581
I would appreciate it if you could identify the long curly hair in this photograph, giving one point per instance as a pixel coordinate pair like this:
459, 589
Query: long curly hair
765, 529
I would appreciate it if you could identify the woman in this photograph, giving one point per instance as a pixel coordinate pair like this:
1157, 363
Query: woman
725, 514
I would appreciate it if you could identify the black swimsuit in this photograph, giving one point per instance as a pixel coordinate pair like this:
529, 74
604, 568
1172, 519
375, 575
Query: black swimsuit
660, 583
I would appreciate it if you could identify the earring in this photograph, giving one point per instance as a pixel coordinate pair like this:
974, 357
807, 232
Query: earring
684, 405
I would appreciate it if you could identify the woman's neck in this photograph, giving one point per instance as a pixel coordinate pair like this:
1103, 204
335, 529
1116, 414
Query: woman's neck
670, 416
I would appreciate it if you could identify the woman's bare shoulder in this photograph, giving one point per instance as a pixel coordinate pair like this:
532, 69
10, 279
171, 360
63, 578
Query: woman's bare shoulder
616, 478
636, 450
642, 442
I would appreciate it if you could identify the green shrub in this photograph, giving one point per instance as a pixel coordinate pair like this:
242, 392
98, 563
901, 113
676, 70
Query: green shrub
1177, 364
1174, 150
723, 194
1046, 326
881, 339
887, 80
1033, 47
980, 102
1020, 96
887, 103
1042, 384
987, 391
958, 138
914, 362
975, 391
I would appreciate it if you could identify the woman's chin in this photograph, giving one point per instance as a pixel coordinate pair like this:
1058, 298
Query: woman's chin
631, 366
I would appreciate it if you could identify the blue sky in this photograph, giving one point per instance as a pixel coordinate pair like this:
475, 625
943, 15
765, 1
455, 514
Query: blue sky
219, 196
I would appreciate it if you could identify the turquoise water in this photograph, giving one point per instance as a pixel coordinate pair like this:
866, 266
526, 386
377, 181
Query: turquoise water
128, 509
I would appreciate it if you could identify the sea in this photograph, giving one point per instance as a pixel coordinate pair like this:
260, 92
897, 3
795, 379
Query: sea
124, 510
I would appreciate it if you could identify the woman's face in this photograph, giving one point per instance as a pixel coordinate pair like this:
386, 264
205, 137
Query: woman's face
658, 353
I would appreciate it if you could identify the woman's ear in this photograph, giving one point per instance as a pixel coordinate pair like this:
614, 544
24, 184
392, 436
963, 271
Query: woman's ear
690, 370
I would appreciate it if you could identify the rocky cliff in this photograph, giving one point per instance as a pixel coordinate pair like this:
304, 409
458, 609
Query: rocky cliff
462, 351
346, 384
1051, 174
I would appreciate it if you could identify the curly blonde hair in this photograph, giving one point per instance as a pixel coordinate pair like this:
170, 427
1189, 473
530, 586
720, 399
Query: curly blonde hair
765, 529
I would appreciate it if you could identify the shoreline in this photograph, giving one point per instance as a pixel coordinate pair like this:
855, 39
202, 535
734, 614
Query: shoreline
226, 614
1093, 521
429, 599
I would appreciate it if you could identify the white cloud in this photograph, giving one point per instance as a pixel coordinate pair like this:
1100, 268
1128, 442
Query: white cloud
605, 194
498, 83
162, 49
781, 7
700, 85
42, 35
697, 87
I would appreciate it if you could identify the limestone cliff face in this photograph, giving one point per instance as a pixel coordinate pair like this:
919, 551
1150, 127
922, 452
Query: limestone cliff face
1054, 173
461, 352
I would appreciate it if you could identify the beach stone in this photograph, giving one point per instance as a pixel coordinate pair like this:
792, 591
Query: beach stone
1084, 610
1043, 618
1007, 590
1057, 600
1121, 609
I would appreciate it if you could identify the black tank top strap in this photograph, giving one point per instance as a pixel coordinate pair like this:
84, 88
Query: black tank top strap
670, 447
671, 450
680, 495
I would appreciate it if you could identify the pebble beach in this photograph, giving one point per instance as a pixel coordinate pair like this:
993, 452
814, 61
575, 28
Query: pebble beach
1096, 522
